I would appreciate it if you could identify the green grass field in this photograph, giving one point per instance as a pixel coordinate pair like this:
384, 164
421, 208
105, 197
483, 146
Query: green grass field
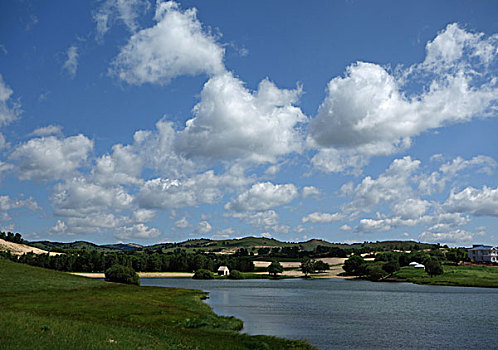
44, 309
468, 276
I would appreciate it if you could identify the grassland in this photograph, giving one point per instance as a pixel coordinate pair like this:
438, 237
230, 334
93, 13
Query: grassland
44, 309
465, 276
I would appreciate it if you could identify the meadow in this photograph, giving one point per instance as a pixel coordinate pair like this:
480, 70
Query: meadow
46, 309
464, 276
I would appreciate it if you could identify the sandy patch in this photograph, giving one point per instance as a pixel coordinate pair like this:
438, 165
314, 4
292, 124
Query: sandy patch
20, 249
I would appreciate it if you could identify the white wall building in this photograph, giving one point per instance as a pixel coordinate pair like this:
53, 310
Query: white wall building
223, 271
483, 253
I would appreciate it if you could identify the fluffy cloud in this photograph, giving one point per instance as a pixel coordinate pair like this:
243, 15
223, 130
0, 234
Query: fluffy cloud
164, 193
79, 198
411, 208
47, 131
471, 200
122, 167
71, 63
390, 187
182, 223
176, 45
458, 236
7, 203
203, 227
367, 112
138, 231
124, 10
310, 191
51, 158
9, 111
232, 123
263, 196
322, 218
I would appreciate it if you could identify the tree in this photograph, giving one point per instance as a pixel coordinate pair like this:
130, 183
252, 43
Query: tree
375, 273
433, 267
236, 275
321, 266
122, 274
391, 267
353, 264
307, 266
203, 274
275, 268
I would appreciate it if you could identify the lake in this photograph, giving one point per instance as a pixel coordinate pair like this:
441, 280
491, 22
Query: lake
346, 314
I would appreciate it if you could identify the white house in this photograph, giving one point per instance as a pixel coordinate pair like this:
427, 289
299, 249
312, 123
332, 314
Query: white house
223, 271
483, 253
419, 266
413, 263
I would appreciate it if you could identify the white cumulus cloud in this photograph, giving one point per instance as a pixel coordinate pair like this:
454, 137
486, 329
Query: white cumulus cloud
176, 45
263, 196
51, 158
230, 122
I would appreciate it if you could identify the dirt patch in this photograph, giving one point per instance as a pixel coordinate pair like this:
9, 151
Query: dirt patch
20, 249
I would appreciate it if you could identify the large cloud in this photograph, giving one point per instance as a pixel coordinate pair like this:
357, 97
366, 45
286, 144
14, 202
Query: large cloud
471, 200
263, 196
79, 197
165, 193
176, 45
232, 123
51, 158
370, 111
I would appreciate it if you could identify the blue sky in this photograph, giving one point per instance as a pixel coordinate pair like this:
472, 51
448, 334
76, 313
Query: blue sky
149, 122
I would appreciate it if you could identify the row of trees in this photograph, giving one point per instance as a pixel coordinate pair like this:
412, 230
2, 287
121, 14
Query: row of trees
11, 237
387, 263
307, 266
93, 261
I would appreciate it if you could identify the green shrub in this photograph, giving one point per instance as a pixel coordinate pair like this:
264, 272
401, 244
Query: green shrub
236, 275
203, 274
122, 274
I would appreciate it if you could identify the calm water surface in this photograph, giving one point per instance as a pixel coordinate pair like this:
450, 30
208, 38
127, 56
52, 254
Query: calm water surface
342, 314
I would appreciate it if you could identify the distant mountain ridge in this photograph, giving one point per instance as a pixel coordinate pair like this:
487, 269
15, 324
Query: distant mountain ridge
225, 245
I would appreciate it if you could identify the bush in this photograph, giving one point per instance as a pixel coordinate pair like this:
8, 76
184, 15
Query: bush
353, 266
321, 266
122, 274
203, 274
236, 275
375, 273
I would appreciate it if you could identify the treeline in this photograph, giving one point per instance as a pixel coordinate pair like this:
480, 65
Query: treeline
387, 263
11, 237
93, 261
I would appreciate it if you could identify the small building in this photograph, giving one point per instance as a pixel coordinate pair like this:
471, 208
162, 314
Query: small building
483, 253
413, 263
419, 266
223, 271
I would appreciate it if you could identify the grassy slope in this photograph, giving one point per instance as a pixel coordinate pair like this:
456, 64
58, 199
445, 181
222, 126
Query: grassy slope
468, 276
46, 309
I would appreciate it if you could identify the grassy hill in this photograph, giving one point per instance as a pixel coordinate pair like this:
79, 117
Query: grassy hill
228, 245
44, 309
